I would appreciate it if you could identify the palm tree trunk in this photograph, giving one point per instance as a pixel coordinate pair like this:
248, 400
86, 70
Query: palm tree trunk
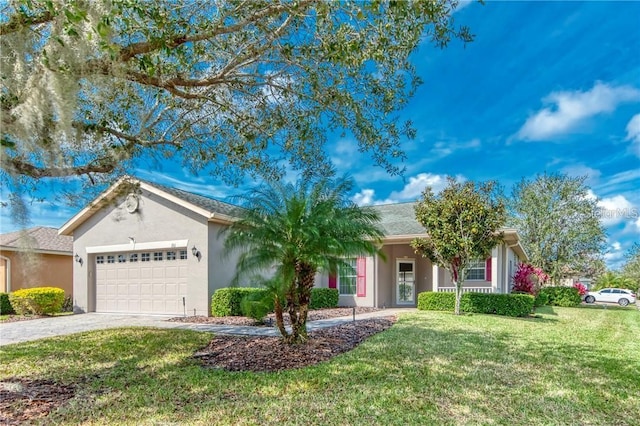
277, 307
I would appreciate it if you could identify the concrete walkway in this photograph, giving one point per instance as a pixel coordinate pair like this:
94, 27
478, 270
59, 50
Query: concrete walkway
25, 331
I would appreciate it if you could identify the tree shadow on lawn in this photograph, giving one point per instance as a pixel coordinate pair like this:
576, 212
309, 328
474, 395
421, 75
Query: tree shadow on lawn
438, 373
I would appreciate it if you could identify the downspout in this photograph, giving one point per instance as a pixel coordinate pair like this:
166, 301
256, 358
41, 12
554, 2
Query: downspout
7, 272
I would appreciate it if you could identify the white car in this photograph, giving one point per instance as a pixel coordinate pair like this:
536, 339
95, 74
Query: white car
621, 296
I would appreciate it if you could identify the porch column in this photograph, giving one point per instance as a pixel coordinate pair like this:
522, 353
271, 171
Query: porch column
494, 267
435, 277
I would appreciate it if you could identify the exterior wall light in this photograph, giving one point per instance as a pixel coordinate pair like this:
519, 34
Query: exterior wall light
195, 252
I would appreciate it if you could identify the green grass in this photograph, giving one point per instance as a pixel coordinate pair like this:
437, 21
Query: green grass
570, 366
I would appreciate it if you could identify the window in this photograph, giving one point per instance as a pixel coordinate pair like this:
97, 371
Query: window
145, 257
157, 256
100, 259
111, 259
477, 270
347, 277
171, 255
133, 257
183, 254
122, 258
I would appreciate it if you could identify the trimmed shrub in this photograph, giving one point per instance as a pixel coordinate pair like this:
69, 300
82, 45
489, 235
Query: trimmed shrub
562, 296
436, 301
542, 299
324, 298
37, 301
513, 305
5, 305
228, 301
257, 304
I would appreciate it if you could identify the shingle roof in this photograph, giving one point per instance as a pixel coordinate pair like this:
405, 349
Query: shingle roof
399, 219
210, 204
37, 238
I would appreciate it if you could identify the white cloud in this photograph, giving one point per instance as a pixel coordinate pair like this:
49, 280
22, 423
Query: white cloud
633, 133
364, 197
568, 109
443, 149
616, 209
616, 246
417, 184
410, 192
345, 154
577, 170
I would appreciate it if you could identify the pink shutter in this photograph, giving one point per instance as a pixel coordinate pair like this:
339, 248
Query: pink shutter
488, 274
361, 271
332, 281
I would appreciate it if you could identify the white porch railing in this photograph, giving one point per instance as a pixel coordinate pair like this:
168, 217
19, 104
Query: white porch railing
466, 289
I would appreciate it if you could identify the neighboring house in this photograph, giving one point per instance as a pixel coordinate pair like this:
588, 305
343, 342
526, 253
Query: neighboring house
36, 257
396, 280
157, 250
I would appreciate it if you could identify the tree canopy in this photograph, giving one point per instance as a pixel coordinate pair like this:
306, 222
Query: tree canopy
463, 223
294, 231
231, 87
559, 224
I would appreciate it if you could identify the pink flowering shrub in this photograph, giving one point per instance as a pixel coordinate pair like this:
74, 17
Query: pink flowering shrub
529, 279
582, 289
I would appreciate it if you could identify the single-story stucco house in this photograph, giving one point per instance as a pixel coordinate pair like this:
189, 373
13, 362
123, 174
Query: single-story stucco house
36, 257
157, 250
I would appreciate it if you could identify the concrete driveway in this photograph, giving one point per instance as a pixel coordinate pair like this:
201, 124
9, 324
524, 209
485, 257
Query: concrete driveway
24, 331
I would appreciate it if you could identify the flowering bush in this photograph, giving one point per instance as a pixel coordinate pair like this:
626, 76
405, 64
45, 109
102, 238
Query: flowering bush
582, 289
529, 279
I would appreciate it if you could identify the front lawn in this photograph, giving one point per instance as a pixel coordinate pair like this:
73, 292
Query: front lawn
572, 366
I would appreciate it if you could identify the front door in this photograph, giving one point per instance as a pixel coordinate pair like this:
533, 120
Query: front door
406, 277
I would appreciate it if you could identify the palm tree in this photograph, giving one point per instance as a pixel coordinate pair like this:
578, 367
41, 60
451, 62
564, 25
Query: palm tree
294, 231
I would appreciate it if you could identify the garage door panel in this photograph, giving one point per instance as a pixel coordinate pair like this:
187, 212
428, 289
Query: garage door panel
144, 285
158, 272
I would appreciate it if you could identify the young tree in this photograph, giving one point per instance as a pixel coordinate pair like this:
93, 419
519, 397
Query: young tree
559, 224
297, 231
231, 86
462, 223
631, 267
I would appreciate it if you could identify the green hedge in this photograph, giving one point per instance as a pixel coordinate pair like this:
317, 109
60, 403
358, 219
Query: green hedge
254, 302
228, 301
513, 305
436, 301
324, 298
561, 296
5, 305
37, 301
542, 299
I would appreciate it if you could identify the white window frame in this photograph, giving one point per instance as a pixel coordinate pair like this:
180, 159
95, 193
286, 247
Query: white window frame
354, 276
473, 266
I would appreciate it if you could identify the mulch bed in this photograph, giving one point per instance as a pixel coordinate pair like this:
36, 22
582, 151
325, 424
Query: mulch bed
24, 400
253, 353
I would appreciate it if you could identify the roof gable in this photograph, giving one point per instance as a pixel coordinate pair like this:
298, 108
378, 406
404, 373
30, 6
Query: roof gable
213, 210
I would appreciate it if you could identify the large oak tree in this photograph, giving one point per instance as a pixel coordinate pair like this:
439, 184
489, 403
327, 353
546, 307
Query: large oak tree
559, 222
233, 87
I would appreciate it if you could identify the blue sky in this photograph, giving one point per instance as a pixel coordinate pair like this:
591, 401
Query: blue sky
545, 87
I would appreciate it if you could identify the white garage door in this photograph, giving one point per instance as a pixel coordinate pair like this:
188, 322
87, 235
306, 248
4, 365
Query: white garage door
149, 282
